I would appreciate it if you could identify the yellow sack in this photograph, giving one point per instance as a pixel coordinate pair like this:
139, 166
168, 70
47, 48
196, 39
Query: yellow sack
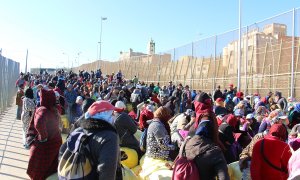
132, 159
138, 135
234, 171
151, 165
136, 170
161, 175
142, 160
65, 122
128, 174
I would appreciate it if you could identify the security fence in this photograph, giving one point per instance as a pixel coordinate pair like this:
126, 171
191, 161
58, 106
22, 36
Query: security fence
9, 71
269, 59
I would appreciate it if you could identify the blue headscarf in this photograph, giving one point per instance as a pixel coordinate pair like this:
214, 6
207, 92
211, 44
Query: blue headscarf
205, 129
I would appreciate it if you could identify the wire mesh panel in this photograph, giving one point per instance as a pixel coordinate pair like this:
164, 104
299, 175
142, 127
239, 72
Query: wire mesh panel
9, 71
266, 59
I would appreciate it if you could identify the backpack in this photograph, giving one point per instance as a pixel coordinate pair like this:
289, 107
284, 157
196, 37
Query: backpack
76, 161
185, 169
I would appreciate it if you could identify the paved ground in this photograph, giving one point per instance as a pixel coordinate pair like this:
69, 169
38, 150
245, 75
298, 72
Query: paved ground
13, 157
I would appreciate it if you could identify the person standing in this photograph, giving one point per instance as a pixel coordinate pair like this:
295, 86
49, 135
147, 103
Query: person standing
43, 159
19, 101
218, 93
28, 110
70, 96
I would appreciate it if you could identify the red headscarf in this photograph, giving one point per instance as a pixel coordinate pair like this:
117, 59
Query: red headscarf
279, 131
203, 107
231, 120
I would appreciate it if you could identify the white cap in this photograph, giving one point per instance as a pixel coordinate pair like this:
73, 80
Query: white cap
120, 104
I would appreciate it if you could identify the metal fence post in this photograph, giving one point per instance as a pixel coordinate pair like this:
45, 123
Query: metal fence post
215, 64
246, 62
293, 47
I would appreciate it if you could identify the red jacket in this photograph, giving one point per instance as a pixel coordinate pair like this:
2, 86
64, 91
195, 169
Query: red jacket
277, 152
144, 117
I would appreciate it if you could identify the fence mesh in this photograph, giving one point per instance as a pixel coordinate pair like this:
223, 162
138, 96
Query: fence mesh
9, 71
266, 59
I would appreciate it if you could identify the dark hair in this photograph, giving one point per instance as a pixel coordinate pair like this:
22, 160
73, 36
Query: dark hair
29, 93
86, 104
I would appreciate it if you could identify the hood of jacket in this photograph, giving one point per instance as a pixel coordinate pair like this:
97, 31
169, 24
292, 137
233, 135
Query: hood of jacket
48, 99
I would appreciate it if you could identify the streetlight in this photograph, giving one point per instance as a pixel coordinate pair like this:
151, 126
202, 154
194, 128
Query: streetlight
100, 42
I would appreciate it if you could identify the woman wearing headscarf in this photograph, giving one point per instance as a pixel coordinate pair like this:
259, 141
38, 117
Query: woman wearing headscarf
207, 156
43, 160
271, 155
220, 107
28, 110
226, 135
158, 143
204, 109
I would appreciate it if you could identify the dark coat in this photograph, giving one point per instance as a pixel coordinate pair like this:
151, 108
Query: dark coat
208, 158
126, 128
218, 94
220, 110
105, 147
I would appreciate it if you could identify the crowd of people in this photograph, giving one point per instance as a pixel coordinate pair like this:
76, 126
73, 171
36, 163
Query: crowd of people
125, 127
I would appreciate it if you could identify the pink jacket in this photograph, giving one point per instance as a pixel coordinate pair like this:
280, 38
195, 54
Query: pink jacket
294, 165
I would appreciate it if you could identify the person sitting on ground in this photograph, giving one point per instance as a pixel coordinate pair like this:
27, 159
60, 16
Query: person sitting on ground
182, 121
126, 128
206, 154
158, 147
105, 142
271, 155
219, 108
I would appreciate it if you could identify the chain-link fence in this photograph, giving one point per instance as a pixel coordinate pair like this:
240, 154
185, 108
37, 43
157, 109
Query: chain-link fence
269, 59
9, 71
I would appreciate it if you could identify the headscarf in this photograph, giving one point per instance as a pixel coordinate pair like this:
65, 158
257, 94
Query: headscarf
205, 129
163, 114
203, 107
232, 120
105, 116
29, 93
279, 131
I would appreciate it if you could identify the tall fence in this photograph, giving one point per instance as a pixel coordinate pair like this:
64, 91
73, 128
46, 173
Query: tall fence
9, 71
269, 59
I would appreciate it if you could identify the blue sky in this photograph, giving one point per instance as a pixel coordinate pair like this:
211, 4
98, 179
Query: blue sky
56, 30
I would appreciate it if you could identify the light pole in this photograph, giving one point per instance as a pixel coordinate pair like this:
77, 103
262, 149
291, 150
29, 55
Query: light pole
100, 42
239, 50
